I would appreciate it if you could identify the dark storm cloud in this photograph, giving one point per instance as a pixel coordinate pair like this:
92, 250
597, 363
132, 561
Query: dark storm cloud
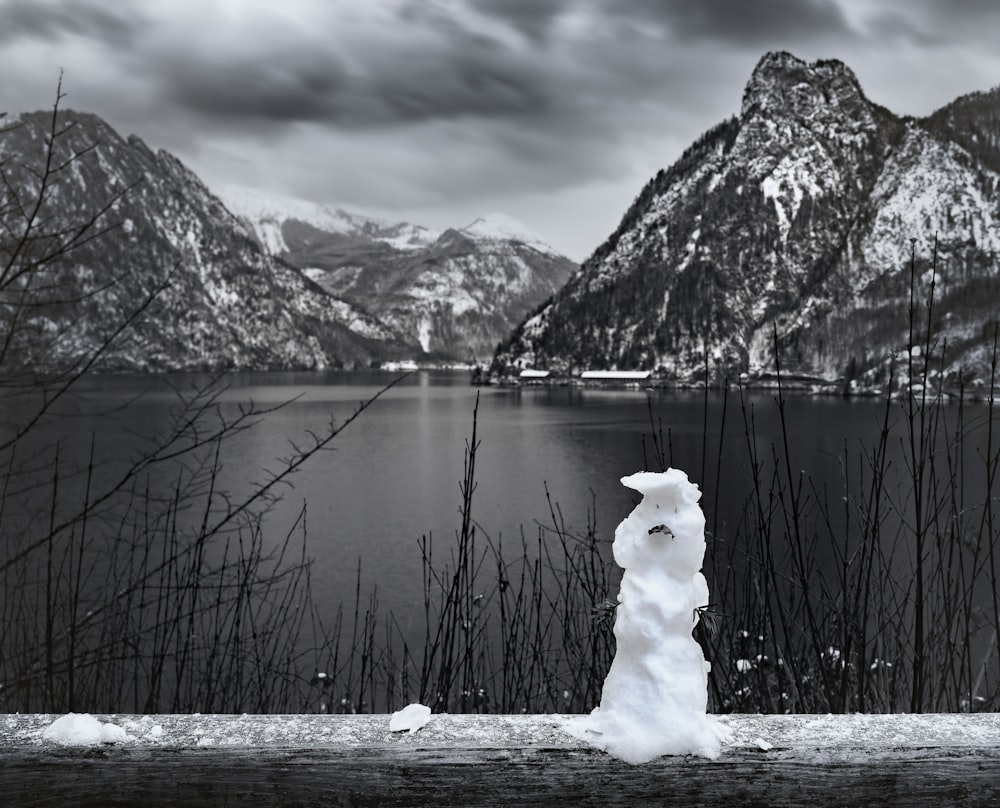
314, 85
468, 74
457, 103
443, 70
741, 22
46, 21
533, 18
509, 95
422, 61
284, 87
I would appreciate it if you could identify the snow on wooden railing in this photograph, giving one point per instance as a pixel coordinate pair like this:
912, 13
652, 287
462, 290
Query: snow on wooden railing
249, 760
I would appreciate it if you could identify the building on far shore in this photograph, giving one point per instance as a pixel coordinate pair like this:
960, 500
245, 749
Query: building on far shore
588, 378
614, 378
615, 375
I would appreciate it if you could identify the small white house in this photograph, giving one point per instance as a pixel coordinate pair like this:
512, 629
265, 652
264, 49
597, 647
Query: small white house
534, 374
615, 375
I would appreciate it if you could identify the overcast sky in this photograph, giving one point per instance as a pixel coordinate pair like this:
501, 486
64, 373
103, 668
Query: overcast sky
555, 112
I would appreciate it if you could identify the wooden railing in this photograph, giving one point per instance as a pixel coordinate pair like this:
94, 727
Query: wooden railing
250, 760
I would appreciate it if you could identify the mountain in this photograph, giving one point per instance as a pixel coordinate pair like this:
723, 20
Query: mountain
790, 228
283, 285
226, 303
455, 293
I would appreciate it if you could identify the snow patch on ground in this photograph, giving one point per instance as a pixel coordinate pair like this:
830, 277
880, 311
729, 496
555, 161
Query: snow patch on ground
82, 729
819, 739
410, 718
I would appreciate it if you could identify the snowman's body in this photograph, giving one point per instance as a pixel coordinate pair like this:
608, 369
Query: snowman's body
655, 695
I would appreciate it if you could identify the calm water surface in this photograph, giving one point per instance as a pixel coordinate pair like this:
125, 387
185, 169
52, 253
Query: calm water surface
394, 474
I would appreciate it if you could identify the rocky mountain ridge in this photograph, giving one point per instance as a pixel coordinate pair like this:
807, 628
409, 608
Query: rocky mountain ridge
225, 297
788, 231
222, 302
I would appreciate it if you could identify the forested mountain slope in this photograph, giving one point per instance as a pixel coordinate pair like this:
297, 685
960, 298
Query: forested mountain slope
792, 226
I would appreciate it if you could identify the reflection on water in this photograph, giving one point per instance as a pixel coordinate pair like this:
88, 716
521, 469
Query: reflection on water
393, 475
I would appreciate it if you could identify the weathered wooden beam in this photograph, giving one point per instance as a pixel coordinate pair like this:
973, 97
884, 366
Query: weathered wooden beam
459, 760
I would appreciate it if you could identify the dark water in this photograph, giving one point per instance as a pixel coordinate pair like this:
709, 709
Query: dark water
394, 474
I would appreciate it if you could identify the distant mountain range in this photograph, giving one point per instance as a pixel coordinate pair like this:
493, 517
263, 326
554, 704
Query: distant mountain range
788, 231
783, 234
252, 282
455, 293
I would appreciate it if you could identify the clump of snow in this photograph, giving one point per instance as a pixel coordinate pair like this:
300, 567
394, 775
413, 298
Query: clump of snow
82, 729
410, 718
655, 696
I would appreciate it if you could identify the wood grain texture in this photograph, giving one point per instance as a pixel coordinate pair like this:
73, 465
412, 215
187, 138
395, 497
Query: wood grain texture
500, 761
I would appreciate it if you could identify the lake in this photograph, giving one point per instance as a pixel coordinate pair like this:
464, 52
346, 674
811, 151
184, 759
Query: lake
393, 476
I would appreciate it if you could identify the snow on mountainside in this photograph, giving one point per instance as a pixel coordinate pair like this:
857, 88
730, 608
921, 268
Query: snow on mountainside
501, 227
454, 294
224, 302
267, 213
793, 220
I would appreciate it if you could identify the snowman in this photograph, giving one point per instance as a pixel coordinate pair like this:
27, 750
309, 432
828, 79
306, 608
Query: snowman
655, 695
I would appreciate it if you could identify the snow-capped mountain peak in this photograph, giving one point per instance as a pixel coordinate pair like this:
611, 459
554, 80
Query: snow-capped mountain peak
452, 292
268, 213
500, 226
